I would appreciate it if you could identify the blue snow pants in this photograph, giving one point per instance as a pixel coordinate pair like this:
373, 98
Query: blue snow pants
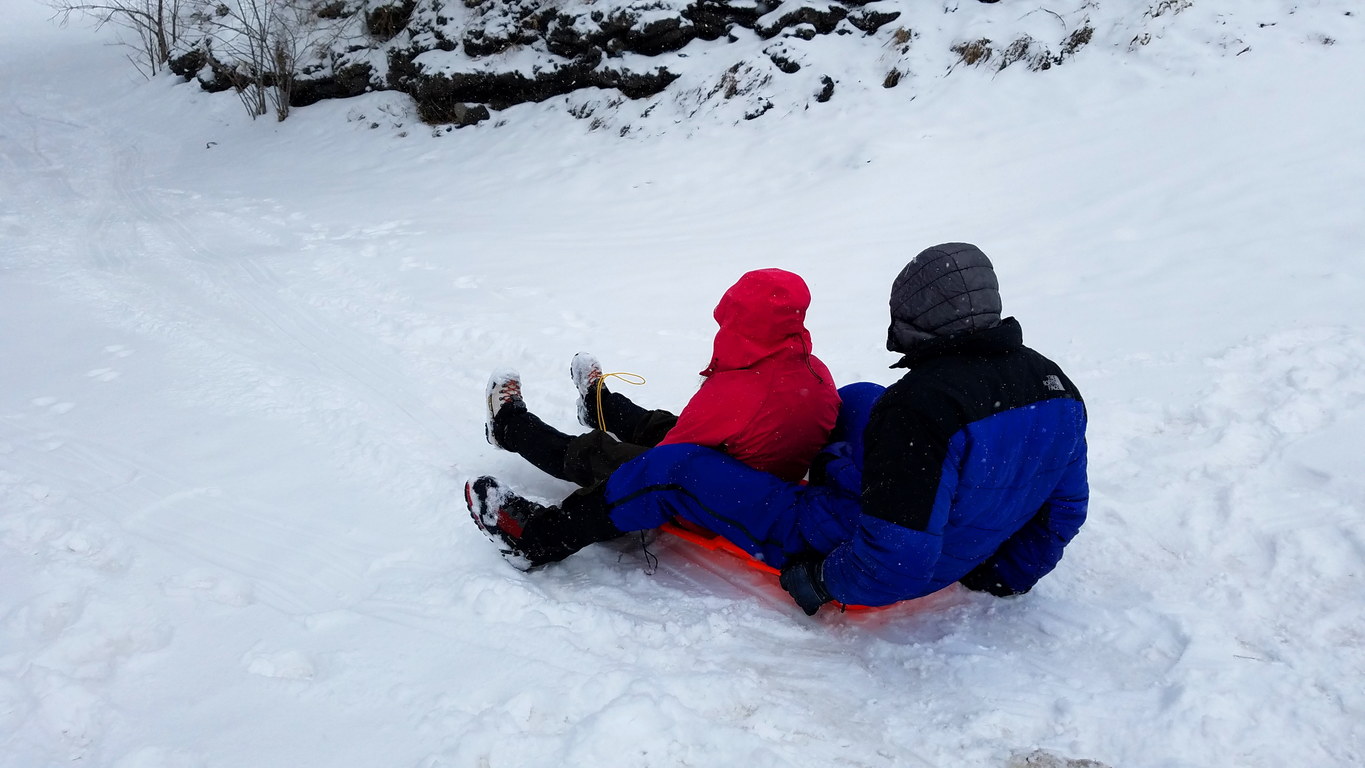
771, 519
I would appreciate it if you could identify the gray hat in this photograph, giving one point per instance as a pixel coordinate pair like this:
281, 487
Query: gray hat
944, 291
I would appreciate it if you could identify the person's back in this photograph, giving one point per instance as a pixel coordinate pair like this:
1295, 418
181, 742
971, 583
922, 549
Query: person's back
767, 401
969, 446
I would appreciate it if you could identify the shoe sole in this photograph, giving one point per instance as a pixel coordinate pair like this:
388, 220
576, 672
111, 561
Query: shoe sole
488, 417
514, 557
579, 371
489, 410
469, 503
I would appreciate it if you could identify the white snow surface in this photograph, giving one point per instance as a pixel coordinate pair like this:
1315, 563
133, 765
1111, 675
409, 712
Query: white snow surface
241, 375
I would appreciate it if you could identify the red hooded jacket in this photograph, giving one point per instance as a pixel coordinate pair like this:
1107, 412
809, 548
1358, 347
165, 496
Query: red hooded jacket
767, 400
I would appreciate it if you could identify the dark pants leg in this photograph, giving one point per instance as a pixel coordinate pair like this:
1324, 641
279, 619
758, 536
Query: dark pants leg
586, 459
523, 433
629, 421
558, 532
590, 459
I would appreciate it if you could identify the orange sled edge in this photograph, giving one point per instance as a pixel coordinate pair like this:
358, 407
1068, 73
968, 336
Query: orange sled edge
705, 539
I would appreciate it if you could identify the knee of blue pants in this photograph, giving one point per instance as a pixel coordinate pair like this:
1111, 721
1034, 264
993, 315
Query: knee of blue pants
855, 410
769, 518
753, 509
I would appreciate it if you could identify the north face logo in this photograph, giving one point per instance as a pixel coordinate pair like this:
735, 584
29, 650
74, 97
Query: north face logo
1054, 383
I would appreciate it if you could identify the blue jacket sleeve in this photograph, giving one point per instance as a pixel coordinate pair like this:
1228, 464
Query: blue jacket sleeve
1034, 550
884, 563
907, 489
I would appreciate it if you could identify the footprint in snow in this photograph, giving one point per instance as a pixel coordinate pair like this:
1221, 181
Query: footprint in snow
52, 404
283, 665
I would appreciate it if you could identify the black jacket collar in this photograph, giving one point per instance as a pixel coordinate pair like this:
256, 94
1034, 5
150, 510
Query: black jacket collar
1002, 338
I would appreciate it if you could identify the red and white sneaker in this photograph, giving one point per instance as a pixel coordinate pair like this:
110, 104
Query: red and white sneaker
586, 372
504, 390
502, 516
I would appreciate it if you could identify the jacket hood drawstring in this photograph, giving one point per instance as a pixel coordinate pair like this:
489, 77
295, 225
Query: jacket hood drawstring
805, 358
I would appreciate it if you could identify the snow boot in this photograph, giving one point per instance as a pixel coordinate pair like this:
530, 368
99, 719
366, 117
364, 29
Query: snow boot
586, 372
503, 392
502, 516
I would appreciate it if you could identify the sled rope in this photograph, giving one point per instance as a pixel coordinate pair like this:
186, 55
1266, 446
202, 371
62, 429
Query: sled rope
629, 378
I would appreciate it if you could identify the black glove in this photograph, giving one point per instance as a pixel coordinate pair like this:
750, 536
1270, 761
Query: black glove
817, 468
984, 578
802, 581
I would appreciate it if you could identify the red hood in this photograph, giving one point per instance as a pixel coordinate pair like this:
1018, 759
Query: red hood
762, 314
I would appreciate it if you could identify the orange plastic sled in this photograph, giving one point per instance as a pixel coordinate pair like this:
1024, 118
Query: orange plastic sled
695, 534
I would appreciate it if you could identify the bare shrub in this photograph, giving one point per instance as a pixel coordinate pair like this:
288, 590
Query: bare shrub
1019, 50
155, 24
260, 41
902, 38
974, 52
1077, 40
1168, 6
257, 43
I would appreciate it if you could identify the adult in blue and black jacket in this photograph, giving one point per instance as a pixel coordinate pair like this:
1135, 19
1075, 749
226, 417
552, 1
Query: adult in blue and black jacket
971, 468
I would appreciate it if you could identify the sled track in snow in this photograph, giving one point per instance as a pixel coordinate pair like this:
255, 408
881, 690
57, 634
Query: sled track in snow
292, 343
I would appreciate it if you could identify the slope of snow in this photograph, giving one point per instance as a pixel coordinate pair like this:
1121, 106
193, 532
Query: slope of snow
241, 371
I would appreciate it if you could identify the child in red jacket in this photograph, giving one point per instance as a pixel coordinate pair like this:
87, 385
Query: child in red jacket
766, 401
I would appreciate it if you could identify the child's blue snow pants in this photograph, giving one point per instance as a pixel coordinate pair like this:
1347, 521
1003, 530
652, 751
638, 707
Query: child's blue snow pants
769, 518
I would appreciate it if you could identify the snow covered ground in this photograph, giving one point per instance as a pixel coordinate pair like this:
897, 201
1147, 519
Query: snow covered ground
241, 372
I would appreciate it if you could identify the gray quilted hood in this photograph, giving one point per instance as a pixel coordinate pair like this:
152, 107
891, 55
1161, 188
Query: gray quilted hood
946, 290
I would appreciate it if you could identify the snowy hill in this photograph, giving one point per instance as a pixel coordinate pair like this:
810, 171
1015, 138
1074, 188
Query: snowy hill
241, 372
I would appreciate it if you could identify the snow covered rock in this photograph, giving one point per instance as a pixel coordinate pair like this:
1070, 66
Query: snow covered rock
686, 59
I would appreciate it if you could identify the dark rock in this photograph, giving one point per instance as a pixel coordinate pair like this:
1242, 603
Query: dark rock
348, 81
443, 98
437, 94
571, 42
712, 20
661, 36
636, 85
824, 19
188, 64
779, 56
334, 10
478, 44
563, 39
871, 21
564, 34
467, 114
386, 21
759, 110
403, 70
618, 24
219, 76
827, 92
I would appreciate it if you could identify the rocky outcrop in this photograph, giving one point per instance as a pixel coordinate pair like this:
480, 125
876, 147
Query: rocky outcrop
459, 59
340, 83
